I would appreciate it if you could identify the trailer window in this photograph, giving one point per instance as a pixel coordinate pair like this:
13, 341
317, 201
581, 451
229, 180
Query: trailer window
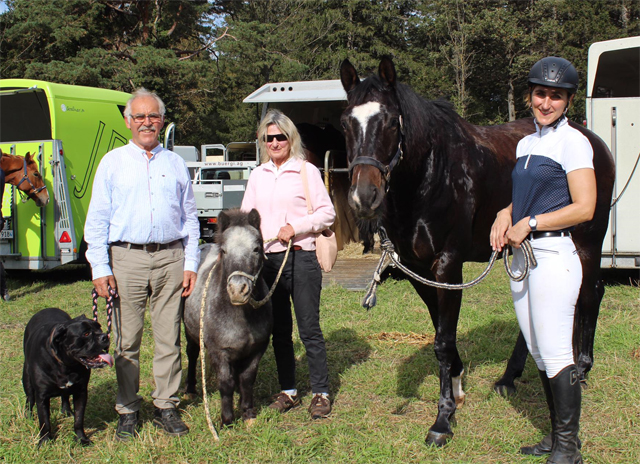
224, 174
618, 74
24, 116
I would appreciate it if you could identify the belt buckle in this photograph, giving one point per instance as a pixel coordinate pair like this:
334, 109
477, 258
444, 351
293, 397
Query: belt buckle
151, 247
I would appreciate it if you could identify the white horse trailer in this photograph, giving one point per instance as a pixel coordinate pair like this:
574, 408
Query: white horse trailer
613, 112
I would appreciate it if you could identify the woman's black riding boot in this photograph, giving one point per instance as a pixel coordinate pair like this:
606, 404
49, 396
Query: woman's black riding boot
567, 395
545, 445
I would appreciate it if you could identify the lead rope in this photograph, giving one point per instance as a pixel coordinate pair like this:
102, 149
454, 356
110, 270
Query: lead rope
109, 299
255, 304
390, 257
202, 355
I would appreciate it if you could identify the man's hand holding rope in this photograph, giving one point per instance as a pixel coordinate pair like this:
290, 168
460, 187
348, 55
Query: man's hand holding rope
102, 285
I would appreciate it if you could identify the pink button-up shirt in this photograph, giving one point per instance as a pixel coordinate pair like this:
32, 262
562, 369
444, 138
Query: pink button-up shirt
278, 195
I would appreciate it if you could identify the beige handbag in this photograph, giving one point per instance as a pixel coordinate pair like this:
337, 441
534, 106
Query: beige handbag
326, 242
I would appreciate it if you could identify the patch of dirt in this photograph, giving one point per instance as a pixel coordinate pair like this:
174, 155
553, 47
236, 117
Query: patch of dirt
635, 354
410, 338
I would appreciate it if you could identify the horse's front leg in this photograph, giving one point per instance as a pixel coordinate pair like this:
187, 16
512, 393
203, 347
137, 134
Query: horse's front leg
246, 381
444, 307
226, 386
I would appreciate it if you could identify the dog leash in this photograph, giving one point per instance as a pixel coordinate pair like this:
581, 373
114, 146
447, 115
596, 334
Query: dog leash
112, 295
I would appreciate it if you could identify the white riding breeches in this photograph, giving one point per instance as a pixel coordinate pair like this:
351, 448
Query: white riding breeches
545, 302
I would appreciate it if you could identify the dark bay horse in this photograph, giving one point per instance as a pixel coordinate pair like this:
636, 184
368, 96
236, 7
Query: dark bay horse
436, 182
317, 141
22, 172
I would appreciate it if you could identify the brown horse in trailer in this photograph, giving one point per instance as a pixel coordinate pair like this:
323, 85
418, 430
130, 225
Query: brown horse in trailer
436, 182
21, 172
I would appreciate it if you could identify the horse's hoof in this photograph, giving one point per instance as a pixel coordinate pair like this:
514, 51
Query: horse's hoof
437, 438
189, 396
6, 297
504, 390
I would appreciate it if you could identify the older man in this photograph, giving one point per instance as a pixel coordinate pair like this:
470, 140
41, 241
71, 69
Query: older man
142, 234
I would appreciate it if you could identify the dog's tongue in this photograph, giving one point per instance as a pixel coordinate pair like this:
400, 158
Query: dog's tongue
106, 357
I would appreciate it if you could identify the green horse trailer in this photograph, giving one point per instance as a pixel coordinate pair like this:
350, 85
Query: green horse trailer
68, 128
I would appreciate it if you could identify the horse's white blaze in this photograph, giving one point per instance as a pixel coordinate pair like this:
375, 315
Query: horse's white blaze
363, 113
240, 240
458, 393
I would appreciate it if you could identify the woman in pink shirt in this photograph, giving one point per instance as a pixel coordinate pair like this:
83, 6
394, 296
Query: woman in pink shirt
276, 190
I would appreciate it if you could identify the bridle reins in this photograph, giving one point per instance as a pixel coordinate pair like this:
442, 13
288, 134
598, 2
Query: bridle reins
385, 169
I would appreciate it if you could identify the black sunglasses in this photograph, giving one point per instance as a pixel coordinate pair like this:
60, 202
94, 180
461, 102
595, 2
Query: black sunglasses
278, 137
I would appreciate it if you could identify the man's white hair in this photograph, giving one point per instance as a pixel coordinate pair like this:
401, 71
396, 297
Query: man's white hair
142, 92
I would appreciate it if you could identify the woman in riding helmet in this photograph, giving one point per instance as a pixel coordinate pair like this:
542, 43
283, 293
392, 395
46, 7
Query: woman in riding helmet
554, 189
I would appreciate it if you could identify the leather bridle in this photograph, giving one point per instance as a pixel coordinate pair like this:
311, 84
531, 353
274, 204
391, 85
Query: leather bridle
385, 170
25, 177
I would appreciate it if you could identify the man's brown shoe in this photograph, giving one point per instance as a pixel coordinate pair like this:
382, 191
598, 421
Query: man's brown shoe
320, 406
282, 402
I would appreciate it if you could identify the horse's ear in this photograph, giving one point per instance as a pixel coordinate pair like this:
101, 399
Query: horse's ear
223, 221
348, 76
28, 157
387, 71
254, 218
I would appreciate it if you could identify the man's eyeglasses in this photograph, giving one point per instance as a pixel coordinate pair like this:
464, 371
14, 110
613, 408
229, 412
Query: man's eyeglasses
278, 137
153, 117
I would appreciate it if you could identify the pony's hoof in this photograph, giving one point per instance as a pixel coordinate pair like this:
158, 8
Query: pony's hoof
504, 390
189, 396
6, 297
437, 438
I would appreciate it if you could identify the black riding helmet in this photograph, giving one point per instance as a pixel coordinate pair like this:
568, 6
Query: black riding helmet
553, 71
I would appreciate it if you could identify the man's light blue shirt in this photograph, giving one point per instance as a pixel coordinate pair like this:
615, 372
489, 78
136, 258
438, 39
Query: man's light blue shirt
141, 200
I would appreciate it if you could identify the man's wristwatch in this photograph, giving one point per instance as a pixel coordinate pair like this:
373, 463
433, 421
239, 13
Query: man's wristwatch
533, 223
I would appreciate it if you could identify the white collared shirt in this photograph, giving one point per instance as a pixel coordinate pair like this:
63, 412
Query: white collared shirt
141, 200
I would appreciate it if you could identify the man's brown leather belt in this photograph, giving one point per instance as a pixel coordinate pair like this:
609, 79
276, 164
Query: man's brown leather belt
149, 247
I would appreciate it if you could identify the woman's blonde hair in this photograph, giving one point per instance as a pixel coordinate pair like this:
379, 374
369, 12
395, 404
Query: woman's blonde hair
287, 127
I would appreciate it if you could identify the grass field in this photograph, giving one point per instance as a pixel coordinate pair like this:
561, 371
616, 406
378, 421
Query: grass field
384, 380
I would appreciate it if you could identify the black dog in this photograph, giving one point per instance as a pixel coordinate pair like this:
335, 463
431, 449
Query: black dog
58, 355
